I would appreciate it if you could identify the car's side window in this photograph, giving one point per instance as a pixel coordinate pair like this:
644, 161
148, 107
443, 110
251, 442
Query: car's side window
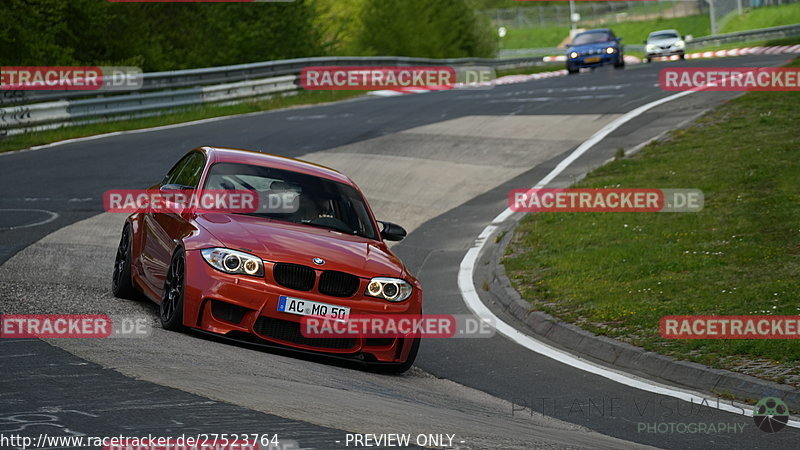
191, 172
173, 173
187, 171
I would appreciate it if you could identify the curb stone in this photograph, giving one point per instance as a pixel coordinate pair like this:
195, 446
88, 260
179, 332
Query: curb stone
607, 351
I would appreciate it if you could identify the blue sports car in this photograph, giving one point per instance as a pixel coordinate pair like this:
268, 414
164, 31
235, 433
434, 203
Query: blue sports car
594, 48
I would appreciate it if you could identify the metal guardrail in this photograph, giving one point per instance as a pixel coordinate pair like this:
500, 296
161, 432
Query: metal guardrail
761, 34
38, 116
152, 81
25, 111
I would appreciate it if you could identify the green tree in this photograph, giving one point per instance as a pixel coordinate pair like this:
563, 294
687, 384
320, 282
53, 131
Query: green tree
33, 32
338, 23
424, 28
155, 36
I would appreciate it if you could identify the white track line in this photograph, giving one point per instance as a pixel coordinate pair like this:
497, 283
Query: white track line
134, 131
169, 126
51, 216
472, 299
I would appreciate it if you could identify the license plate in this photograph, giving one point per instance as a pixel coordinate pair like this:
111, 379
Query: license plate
593, 59
303, 307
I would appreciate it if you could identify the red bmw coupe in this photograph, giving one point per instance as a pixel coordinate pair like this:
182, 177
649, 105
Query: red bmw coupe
254, 275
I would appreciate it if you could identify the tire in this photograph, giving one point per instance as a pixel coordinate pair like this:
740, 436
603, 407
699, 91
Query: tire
398, 368
620, 64
648, 60
572, 70
683, 56
170, 311
121, 281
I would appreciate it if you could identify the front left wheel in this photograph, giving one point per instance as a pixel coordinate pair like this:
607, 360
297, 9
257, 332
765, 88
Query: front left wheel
121, 282
170, 311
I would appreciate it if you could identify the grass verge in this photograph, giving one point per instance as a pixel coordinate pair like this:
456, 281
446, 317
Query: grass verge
617, 274
764, 17
548, 67
636, 32
773, 42
27, 140
538, 37
631, 32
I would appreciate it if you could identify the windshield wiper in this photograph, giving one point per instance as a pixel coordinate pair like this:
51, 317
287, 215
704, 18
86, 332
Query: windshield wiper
330, 226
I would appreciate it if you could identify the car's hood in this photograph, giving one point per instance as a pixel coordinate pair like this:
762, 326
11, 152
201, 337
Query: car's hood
662, 42
299, 244
595, 46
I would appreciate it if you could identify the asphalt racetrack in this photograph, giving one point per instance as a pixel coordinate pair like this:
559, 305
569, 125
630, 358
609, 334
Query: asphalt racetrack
441, 164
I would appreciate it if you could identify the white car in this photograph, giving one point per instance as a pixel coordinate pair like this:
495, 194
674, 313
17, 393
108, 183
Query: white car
664, 43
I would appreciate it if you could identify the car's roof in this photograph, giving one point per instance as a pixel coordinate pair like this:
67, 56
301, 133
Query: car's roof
234, 155
664, 31
597, 30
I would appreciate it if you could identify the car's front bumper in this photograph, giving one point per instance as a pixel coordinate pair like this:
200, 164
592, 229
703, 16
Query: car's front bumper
592, 60
238, 305
659, 52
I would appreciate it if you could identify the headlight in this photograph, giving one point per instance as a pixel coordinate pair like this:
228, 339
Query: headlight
573, 54
650, 47
610, 50
392, 289
679, 44
233, 261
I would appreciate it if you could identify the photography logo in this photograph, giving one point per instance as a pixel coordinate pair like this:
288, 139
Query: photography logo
770, 414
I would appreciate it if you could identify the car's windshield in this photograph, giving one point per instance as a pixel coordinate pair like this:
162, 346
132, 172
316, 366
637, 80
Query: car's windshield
317, 201
666, 35
592, 38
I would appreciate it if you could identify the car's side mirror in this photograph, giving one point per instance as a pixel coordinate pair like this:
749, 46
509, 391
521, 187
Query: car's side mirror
568, 46
392, 231
644, 42
619, 39
176, 205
